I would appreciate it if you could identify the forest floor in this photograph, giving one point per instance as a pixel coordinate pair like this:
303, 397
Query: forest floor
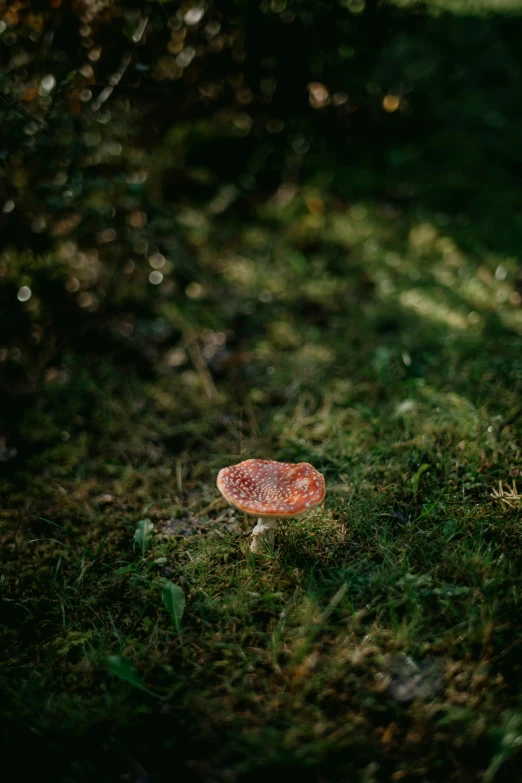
379, 640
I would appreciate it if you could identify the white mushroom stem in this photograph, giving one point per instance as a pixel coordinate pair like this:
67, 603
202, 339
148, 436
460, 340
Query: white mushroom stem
263, 534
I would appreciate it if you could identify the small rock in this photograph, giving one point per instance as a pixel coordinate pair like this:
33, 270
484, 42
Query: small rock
6, 453
104, 500
410, 679
188, 525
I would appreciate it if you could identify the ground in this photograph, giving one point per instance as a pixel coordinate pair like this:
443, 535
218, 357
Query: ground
379, 640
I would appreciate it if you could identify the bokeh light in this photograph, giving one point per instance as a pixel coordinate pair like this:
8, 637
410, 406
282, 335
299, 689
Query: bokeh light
24, 294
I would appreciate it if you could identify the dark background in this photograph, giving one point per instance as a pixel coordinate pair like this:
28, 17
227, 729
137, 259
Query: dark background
235, 112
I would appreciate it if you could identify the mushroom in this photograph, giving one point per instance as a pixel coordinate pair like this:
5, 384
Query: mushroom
270, 490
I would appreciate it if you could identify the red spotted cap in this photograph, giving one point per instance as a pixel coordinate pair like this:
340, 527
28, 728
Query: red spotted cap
266, 488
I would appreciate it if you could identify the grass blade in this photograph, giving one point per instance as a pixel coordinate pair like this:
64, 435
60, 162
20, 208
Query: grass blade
175, 601
123, 669
143, 534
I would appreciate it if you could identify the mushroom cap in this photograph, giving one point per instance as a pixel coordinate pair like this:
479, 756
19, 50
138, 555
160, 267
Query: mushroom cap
266, 488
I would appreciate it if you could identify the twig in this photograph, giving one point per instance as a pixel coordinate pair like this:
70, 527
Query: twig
251, 416
197, 359
215, 503
126, 60
114, 80
142, 26
194, 352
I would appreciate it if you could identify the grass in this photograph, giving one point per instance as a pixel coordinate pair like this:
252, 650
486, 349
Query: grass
380, 639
